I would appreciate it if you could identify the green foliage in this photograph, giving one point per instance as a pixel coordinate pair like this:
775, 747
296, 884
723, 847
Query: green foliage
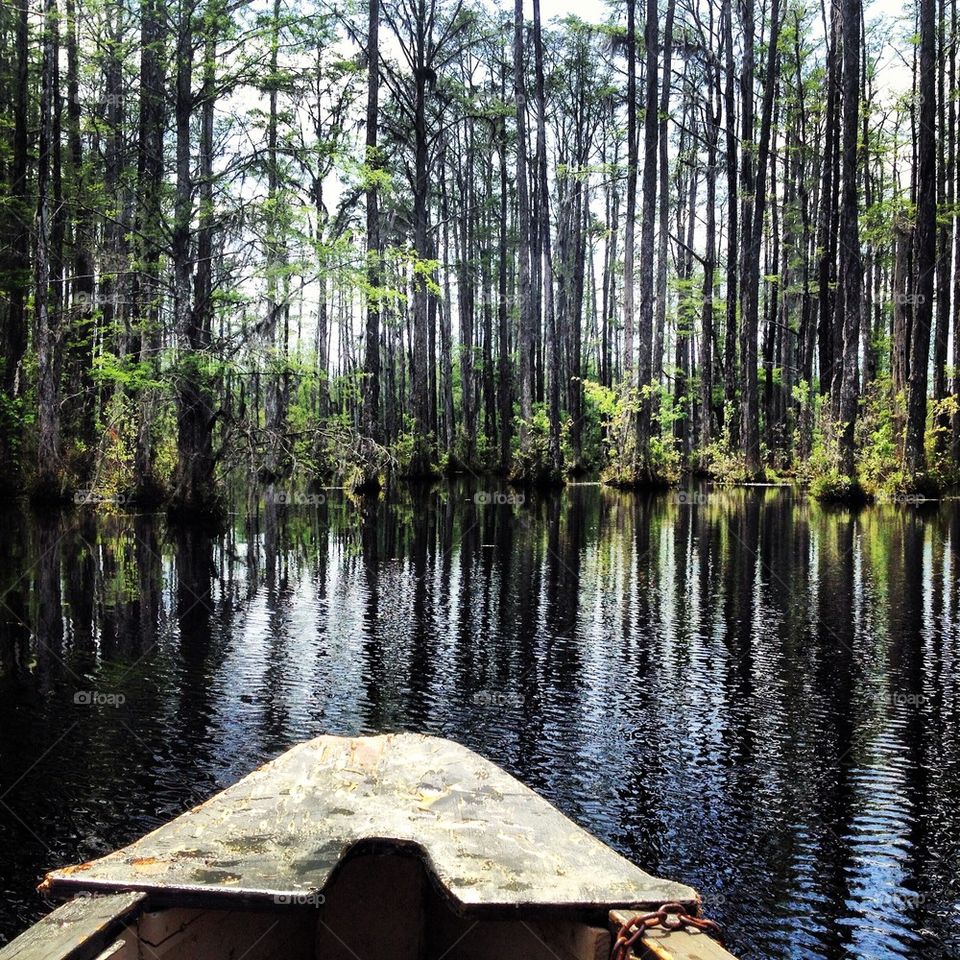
126, 372
405, 445
599, 408
944, 471
834, 486
115, 480
879, 471
532, 465
879, 437
625, 466
723, 460
16, 416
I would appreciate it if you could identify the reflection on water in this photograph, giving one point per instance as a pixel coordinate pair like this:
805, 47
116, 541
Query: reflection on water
741, 690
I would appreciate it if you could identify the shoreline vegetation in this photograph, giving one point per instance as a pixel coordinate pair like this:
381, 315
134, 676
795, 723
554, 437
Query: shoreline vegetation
319, 244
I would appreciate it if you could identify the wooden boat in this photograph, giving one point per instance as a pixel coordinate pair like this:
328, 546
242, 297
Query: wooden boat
395, 847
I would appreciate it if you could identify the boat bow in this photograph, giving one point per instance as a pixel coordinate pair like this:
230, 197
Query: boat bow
279, 835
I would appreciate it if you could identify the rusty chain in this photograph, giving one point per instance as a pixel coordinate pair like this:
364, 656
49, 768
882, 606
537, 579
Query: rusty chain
670, 916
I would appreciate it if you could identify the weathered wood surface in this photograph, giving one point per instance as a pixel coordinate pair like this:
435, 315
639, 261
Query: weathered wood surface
660, 944
278, 834
73, 927
237, 935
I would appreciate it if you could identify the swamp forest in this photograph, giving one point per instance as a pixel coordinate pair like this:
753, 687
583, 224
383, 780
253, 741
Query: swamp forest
578, 382
346, 243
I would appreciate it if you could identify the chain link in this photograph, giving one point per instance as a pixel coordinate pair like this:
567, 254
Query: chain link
670, 916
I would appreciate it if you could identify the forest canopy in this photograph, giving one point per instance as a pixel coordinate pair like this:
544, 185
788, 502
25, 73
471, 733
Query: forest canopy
339, 243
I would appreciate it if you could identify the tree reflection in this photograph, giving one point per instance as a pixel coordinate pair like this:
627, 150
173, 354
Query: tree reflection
739, 689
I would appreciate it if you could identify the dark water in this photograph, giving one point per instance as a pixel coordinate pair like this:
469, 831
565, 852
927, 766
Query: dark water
745, 691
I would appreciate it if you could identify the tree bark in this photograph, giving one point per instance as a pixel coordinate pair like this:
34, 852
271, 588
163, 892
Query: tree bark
955, 229
371, 363
275, 414
664, 198
925, 245
732, 420
712, 130
194, 485
645, 378
523, 202
505, 384
149, 223
629, 253
420, 394
851, 268
80, 353
753, 233
546, 254
18, 273
47, 303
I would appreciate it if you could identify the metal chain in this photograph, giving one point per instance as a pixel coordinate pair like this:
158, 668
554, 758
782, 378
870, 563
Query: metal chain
670, 916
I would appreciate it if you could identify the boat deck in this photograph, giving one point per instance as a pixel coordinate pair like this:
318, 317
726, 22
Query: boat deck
491, 844
401, 846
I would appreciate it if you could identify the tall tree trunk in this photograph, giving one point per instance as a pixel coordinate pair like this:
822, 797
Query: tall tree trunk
17, 273
749, 252
732, 420
275, 418
607, 371
579, 253
504, 385
902, 305
753, 233
523, 202
869, 373
489, 378
149, 227
925, 244
449, 432
851, 268
546, 272
712, 125
371, 363
466, 301
47, 302
944, 239
629, 253
826, 239
647, 234
420, 372
955, 227
683, 409
194, 487
663, 225
81, 337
